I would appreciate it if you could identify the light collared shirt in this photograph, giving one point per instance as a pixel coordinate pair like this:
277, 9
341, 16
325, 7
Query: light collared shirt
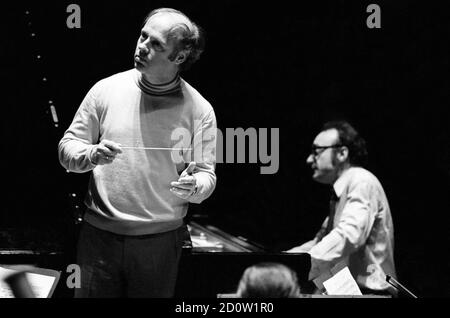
363, 233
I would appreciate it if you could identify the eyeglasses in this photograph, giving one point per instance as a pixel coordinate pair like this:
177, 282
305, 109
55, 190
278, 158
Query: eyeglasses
317, 150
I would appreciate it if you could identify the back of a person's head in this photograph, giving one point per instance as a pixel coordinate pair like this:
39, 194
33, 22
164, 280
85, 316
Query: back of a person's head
269, 280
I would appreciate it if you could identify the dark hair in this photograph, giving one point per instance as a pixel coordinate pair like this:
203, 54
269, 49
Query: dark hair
268, 280
190, 39
349, 137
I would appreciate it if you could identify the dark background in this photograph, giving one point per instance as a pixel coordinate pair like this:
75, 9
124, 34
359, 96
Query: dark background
266, 65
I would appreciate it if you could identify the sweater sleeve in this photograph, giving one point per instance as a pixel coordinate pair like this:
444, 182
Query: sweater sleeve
204, 154
75, 147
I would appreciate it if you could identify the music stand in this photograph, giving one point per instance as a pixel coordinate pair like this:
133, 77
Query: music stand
399, 286
28, 281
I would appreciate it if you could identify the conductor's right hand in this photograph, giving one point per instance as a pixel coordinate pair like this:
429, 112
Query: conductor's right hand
105, 152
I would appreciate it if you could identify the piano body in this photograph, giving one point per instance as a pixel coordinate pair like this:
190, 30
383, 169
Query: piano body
215, 261
212, 261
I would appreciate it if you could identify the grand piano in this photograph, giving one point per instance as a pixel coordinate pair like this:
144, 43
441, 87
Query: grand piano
211, 265
213, 262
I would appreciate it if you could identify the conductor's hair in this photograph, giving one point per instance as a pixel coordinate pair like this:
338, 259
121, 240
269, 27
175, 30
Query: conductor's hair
188, 38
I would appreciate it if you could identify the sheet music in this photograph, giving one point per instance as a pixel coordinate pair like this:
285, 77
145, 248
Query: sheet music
41, 285
198, 241
5, 290
342, 283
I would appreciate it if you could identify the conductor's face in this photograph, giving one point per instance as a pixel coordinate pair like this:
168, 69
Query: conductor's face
154, 47
323, 158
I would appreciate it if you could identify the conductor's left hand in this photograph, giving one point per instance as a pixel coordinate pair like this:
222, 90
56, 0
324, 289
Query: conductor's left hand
186, 185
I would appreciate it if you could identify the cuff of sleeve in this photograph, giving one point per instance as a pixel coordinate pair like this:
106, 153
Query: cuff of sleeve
89, 155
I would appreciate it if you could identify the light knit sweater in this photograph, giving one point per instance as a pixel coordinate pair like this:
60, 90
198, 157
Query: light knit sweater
132, 196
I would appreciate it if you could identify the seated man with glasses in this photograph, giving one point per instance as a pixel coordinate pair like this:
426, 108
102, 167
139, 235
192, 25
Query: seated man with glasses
359, 230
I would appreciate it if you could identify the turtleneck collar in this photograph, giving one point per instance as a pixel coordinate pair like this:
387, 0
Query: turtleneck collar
158, 89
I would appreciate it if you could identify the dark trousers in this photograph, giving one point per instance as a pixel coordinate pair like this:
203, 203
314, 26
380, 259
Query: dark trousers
115, 265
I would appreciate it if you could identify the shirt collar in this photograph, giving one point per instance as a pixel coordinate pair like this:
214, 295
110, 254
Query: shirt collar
341, 182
